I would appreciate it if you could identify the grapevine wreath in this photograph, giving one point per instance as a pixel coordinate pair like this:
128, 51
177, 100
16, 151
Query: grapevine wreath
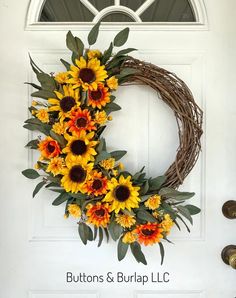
75, 163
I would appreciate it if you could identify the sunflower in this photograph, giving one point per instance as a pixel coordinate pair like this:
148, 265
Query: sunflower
94, 54
125, 220
99, 214
65, 101
101, 117
87, 74
59, 128
80, 146
81, 120
149, 233
96, 184
122, 194
98, 98
75, 175
108, 164
56, 165
153, 202
49, 148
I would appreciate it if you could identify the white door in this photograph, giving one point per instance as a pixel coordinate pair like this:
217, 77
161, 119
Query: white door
38, 246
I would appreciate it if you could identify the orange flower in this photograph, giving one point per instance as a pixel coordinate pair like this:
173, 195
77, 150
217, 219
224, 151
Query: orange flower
149, 233
98, 98
81, 121
49, 148
97, 184
98, 214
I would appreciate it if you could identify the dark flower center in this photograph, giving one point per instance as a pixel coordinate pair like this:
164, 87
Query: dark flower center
96, 94
81, 122
100, 212
147, 232
77, 174
67, 103
78, 147
97, 184
50, 148
87, 75
122, 193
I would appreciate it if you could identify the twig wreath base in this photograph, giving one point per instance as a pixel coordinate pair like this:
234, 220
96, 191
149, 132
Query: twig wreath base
72, 112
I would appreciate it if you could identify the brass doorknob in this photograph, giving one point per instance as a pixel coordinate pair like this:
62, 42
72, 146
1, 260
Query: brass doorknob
229, 255
229, 209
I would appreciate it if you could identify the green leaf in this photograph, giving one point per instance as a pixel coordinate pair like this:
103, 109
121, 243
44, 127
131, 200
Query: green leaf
115, 62
156, 183
126, 72
100, 236
38, 187
80, 46
34, 85
102, 156
30, 173
78, 195
84, 232
162, 252
112, 107
193, 210
101, 146
137, 253
115, 230
118, 154
42, 128
146, 216
60, 139
121, 38
95, 233
182, 222
170, 193
35, 68
122, 249
33, 144
144, 188
125, 51
107, 234
63, 197
45, 94
185, 212
93, 34
71, 43
47, 82
107, 54
168, 209
66, 64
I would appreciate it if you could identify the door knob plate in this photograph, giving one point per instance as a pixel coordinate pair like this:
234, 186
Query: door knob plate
229, 209
229, 255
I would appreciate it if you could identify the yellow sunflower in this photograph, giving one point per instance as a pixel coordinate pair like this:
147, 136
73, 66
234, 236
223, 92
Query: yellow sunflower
122, 194
153, 202
94, 54
62, 77
96, 184
108, 164
101, 117
75, 175
129, 237
112, 83
99, 214
74, 210
80, 146
43, 115
65, 101
87, 74
98, 98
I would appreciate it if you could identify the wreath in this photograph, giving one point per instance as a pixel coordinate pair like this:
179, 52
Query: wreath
71, 115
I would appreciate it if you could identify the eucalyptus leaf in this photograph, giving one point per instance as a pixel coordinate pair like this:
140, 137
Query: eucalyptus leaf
100, 236
80, 46
121, 37
101, 146
117, 155
93, 34
34, 85
47, 82
122, 249
33, 144
144, 189
66, 64
30, 173
185, 212
193, 210
125, 51
146, 216
162, 252
38, 187
84, 232
102, 156
137, 253
63, 197
107, 54
156, 183
78, 195
112, 107
71, 43
60, 139
45, 94
115, 230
